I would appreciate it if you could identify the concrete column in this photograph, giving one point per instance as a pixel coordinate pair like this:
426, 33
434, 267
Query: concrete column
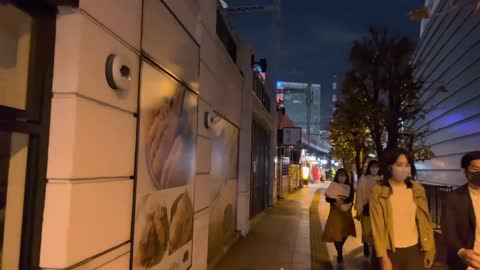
244, 54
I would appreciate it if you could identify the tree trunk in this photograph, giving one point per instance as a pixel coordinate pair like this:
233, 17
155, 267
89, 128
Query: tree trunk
345, 164
357, 162
392, 130
377, 140
392, 138
364, 159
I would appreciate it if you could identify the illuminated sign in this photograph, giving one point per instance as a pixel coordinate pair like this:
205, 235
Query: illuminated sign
291, 136
279, 85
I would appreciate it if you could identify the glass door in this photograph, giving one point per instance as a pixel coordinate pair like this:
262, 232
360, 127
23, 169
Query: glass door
27, 36
13, 169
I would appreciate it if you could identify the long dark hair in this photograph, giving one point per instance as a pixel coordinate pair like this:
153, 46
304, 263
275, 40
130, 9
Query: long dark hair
339, 171
347, 182
390, 156
369, 167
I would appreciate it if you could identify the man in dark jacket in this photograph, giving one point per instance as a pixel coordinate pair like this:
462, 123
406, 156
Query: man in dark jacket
461, 218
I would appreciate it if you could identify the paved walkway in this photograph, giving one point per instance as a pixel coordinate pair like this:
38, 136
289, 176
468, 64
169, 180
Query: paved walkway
289, 234
288, 238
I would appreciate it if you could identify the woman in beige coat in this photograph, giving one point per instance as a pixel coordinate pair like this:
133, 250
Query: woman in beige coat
340, 223
401, 224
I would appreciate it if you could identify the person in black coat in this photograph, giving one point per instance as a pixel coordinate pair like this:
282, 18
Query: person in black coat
461, 218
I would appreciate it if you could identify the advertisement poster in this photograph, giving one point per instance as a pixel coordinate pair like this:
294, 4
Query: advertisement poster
224, 173
292, 136
166, 161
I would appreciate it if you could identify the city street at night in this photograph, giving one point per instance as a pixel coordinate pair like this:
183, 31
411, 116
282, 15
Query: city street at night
239, 135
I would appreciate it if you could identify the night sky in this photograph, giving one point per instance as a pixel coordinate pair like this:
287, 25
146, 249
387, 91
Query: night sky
316, 34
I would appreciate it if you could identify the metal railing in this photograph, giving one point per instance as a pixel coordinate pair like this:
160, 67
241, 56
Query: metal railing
225, 35
435, 198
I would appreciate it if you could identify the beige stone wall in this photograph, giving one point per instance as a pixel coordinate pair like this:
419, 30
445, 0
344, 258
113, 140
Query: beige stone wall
93, 135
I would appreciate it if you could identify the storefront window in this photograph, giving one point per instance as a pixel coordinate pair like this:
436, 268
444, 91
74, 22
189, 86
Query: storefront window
13, 168
15, 32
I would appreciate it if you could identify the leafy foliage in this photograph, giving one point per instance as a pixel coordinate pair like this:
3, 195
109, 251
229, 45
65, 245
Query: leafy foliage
380, 97
419, 14
350, 138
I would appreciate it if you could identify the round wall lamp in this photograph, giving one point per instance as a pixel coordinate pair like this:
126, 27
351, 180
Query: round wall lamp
208, 119
117, 72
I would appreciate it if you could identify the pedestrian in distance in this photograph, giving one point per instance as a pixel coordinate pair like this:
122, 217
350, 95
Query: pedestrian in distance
460, 220
340, 224
362, 204
401, 225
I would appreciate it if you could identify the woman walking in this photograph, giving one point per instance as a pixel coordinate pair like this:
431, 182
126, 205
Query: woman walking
340, 223
401, 224
362, 200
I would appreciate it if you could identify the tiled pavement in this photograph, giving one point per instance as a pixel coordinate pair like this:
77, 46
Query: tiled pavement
287, 236
282, 239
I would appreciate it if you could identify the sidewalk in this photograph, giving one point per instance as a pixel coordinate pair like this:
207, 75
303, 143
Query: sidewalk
289, 234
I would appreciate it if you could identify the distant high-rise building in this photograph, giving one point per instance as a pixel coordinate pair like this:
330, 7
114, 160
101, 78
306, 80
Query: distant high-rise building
329, 97
302, 102
310, 106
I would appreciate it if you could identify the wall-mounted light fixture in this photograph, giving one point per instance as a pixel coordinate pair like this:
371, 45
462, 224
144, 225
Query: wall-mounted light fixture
117, 73
208, 119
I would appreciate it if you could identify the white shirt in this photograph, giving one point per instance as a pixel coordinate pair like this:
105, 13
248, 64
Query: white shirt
404, 210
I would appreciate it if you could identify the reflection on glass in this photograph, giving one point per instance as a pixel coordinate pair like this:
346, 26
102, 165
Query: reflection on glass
13, 167
15, 28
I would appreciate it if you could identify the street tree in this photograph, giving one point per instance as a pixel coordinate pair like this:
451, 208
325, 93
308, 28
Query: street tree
382, 89
350, 138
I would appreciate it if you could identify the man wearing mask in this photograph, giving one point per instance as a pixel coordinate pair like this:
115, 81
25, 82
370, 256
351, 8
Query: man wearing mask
461, 218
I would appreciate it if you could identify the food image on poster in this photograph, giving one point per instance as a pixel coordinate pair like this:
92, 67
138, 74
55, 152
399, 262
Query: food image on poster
169, 142
223, 187
154, 238
164, 230
166, 158
182, 222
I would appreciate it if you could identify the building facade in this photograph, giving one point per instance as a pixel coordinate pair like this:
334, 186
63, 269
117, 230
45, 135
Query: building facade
330, 94
448, 55
302, 102
136, 149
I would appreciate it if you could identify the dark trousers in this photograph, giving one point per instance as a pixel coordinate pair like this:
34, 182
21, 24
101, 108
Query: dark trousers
410, 258
375, 262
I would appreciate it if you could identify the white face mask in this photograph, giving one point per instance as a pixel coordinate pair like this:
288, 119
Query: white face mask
342, 179
400, 173
374, 171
